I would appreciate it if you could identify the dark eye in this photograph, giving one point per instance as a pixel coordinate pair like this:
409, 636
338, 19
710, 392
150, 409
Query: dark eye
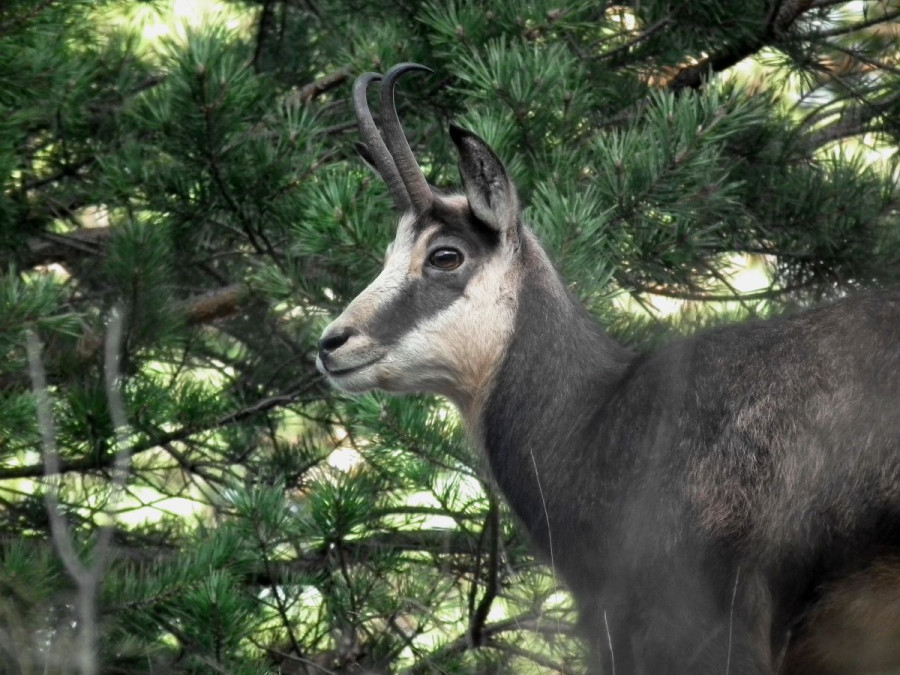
445, 258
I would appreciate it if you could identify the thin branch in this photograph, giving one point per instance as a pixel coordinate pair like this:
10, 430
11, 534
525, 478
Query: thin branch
215, 304
822, 4
722, 279
694, 75
765, 294
66, 172
536, 657
645, 35
85, 580
864, 58
50, 468
306, 663
787, 14
89, 463
525, 622
50, 247
854, 121
112, 381
480, 615
315, 89
846, 129
86, 577
844, 30
17, 21
263, 25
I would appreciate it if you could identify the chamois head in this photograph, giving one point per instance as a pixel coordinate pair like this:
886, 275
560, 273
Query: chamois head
439, 316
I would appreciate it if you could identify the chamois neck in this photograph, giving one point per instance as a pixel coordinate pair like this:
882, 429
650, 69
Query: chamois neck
559, 369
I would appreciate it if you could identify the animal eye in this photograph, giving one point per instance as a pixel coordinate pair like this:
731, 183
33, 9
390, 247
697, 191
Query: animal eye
445, 258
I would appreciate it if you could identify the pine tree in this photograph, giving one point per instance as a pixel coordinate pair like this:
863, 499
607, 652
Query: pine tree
199, 192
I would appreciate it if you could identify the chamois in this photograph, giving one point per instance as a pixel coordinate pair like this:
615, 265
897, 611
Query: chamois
729, 503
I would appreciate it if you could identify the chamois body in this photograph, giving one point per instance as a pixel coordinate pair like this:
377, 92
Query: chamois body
729, 503
704, 499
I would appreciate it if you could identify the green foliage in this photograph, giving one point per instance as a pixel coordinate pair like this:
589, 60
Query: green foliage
201, 179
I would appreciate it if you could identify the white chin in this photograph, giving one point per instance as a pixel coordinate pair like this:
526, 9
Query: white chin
354, 382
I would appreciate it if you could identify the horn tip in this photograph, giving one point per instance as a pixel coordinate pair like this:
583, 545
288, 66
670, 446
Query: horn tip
365, 79
402, 68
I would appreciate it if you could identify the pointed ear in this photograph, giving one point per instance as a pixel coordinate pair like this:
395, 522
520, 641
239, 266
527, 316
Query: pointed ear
492, 196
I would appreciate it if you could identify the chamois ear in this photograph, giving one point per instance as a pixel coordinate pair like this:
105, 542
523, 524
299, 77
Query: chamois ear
492, 196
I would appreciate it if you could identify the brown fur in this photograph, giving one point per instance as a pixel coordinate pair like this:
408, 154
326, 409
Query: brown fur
854, 628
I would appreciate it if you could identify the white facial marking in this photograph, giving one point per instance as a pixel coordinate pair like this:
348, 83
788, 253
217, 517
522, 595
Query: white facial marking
455, 352
389, 281
361, 352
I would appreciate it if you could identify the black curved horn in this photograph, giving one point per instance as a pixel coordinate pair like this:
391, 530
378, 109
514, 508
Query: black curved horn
372, 141
420, 195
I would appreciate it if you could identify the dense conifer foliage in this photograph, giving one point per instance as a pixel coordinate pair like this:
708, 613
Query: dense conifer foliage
182, 212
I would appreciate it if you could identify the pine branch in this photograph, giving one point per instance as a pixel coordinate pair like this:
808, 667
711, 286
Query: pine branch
525, 622
359, 551
216, 304
824, 4
859, 55
276, 594
17, 22
306, 664
87, 576
533, 656
687, 294
202, 309
852, 28
264, 24
643, 36
854, 121
694, 76
67, 171
313, 90
49, 247
87, 464
362, 550
788, 12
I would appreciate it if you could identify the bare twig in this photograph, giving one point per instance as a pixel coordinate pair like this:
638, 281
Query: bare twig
644, 35
51, 464
117, 414
87, 577
314, 89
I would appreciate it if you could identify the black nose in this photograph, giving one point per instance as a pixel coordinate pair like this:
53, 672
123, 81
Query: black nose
334, 339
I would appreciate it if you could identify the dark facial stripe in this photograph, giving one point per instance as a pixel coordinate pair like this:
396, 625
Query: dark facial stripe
417, 301
424, 296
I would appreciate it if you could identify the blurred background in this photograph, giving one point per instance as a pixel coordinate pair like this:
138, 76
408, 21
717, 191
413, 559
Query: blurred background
182, 173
